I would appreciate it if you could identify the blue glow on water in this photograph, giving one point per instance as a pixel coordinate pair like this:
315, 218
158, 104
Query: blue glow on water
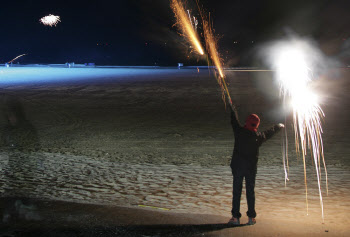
53, 75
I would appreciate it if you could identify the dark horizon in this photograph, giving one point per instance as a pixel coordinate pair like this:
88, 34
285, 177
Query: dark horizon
143, 33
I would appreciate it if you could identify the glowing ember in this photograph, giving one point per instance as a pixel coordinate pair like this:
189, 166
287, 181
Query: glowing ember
50, 20
185, 24
294, 62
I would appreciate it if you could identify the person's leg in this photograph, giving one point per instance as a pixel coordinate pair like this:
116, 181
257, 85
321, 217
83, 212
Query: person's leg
250, 185
236, 195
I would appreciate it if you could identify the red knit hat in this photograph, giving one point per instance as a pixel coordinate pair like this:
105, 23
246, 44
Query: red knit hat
252, 122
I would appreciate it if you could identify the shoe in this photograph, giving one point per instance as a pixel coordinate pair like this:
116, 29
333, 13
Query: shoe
251, 221
233, 221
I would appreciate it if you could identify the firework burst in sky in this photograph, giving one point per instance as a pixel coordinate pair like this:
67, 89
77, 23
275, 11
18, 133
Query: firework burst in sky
50, 20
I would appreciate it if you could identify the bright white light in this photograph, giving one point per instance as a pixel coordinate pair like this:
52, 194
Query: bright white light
292, 69
50, 20
294, 62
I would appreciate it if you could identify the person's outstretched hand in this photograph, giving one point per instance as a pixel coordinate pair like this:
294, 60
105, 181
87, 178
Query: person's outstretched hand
281, 125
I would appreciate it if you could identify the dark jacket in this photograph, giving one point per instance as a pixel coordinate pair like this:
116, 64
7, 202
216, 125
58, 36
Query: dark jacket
247, 143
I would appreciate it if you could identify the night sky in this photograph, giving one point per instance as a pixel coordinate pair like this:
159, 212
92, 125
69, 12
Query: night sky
141, 32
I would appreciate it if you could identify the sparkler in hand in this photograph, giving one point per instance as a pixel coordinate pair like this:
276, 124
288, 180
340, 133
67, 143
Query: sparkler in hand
294, 62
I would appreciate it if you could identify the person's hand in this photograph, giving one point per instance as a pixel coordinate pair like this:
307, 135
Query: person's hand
281, 125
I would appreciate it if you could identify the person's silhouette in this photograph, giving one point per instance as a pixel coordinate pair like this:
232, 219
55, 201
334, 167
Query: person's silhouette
244, 161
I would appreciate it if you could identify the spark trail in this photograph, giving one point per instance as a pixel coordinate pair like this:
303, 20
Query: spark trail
211, 45
16, 58
183, 21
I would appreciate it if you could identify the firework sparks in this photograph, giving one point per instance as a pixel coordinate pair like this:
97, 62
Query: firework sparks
189, 30
50, 20
294, 72
186, 26
211, 45
194, 23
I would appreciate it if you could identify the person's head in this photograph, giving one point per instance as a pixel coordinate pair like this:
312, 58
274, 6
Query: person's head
252, 122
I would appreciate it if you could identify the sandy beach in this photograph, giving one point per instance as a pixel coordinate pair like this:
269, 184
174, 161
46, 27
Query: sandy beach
146, 152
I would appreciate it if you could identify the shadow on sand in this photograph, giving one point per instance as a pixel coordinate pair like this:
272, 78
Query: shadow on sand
32, 217
128, 230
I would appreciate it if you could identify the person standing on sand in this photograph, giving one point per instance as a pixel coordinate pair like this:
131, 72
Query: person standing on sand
244, 161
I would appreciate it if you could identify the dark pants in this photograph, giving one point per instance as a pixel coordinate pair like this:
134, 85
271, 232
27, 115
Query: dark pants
237, 192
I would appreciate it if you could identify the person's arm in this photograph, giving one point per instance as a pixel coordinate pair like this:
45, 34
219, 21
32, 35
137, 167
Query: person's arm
266, 135
234, 118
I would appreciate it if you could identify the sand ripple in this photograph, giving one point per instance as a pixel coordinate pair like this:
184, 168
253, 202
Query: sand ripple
179, 188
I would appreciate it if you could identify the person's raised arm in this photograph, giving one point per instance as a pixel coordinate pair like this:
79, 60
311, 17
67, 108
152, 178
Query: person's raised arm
234, 117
